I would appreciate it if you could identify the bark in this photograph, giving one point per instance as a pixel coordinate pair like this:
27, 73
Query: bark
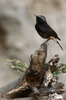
38, 81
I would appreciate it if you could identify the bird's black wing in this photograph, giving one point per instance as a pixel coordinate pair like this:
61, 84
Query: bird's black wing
46, 29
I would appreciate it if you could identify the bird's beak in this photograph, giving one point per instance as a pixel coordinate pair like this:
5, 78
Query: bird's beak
34, 15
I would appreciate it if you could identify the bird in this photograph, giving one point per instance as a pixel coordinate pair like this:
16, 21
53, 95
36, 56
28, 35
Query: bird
45, 31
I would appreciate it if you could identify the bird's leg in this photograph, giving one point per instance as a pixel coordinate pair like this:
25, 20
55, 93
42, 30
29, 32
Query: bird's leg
47, 40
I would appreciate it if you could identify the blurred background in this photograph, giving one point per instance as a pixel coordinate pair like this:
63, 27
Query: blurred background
18, 38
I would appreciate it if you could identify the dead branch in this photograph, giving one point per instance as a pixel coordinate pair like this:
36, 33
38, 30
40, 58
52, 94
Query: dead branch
38, 80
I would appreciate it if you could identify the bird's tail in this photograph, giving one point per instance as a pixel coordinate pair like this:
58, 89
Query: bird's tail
59, 45
57, 41
58, 38
52, 38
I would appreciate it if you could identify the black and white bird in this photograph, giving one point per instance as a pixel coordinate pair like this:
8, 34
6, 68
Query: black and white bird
45, 31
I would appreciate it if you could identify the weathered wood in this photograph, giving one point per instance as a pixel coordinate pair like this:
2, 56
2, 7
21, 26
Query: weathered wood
35, 73
15, 84
36, 62
38, 80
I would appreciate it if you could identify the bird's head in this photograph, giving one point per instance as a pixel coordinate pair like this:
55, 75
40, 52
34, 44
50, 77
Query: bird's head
40, 18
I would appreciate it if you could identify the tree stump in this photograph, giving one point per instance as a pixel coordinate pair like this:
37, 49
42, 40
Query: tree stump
38, 81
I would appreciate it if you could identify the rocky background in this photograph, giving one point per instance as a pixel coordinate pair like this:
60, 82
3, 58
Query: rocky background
18, 38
